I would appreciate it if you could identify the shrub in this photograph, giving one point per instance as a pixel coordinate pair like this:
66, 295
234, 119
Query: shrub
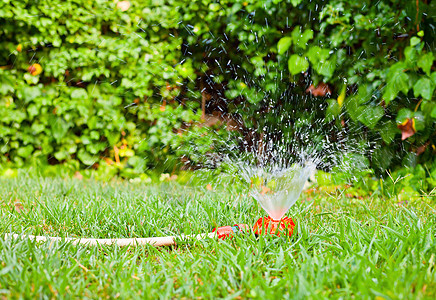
82, 79
87, 81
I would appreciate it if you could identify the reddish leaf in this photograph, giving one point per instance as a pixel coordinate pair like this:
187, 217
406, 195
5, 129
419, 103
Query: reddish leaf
163, 106
35, 69
117, 155
108, 161
407, 128
321, 90
421, 149
78, 175
123, 5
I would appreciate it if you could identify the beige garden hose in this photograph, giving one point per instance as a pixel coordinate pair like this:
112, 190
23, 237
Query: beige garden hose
220, 233
154, 241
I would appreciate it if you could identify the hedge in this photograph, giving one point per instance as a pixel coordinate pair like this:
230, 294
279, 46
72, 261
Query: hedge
133, 84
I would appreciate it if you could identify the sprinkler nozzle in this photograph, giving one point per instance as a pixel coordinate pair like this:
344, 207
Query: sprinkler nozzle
266, 225
228, 231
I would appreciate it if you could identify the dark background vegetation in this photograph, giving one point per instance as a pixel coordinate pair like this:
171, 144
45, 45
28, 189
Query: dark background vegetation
126, 87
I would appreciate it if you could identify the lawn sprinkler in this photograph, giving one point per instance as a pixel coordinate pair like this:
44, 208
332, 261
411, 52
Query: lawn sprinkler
276, 190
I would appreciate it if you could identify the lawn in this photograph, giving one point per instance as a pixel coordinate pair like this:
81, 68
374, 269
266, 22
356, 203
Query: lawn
342, 246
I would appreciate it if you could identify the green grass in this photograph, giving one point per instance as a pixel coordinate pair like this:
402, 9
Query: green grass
342, 247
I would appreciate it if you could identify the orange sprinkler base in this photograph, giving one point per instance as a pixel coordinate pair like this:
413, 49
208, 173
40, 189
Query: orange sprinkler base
266, 225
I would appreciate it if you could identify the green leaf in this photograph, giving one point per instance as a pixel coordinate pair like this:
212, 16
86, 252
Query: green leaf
364, 93
433, 112
382, 157
29, 93
410, 55
370, 115
32, 110
5, 88
390, 93
402, 82
59, 128
112, 137
419, 120
284, 44
94, 135
327, 68
403, 115
425, 62
85, 157
433, 77
423, 87
79, 94
317, 54
320, 62
96, 147
300, 39
396, 83
414, 41
257, 61
25, 151
387, 132
37, 128
137, 163
297, 64
61, 155
296, 2
333, 110
307, 36
427, 107
353, 108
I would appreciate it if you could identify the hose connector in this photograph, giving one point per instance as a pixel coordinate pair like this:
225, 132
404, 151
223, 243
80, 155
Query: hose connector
229, 231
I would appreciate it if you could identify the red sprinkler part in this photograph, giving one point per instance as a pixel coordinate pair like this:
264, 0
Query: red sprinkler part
267, 225
228, 231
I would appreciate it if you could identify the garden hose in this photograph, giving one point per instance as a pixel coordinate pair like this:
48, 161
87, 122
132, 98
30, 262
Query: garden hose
220, 233
264, 226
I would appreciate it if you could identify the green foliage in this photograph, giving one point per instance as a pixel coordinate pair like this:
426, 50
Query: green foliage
383, 53
133, 80
403, 184
297, 64
110, 79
